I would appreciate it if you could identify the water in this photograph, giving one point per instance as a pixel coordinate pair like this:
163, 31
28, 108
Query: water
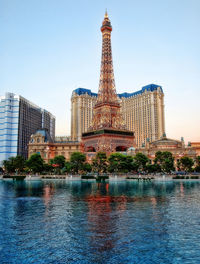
85, 222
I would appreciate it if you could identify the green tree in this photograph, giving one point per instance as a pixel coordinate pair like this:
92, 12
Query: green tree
141, 161
115, 160
77, 160
9, 165
47, 168
19, 163
158, 158
164, 161
186, 164
120, 163
197, 168
35, 163
134, 166
128, 164
59, 161
14, 164
87, 167
178, 164
67, 167
99, 163
151, 168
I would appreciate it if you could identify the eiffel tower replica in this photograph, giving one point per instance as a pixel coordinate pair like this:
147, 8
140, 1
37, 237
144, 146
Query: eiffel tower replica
108, 132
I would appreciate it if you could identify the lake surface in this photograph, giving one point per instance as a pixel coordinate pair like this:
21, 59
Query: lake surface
57, 221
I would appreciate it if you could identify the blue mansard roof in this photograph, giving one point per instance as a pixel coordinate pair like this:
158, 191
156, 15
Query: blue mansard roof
80, 91
44, 132
149, 87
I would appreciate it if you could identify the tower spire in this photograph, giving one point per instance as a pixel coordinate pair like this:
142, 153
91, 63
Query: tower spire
107, 92
106, 14
107, 108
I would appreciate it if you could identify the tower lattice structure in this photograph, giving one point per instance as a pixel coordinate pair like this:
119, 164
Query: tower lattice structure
106, 112
107, 132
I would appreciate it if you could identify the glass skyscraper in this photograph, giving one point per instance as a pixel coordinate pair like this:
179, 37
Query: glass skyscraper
19, 119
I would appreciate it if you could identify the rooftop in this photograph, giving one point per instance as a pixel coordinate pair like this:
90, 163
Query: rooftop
11, 96
45, 133
149, 87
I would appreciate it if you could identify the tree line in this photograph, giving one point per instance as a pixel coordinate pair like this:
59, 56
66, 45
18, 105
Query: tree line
115, 163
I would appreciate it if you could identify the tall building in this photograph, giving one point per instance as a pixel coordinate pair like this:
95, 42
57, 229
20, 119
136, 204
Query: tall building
107, 132
19, 119
82, 104
142, 111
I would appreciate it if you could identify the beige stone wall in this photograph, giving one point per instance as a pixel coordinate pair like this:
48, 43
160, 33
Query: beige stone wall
176, 147
196, 146
81, 114
50, 150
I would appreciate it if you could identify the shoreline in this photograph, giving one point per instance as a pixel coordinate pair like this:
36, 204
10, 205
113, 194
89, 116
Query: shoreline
101, 178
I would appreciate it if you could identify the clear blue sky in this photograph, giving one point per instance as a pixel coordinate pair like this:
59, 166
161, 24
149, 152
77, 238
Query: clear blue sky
50, 47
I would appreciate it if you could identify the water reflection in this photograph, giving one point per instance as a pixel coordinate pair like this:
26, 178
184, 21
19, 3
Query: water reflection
99, 219
89, 222
48, 191
181, 189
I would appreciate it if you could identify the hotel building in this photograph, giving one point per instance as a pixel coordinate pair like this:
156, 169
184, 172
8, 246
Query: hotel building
142, 111
176, 147
42, 143
19, 119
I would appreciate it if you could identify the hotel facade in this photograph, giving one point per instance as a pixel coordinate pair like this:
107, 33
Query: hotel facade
178, 148
142, 111
19, 119
42, 143
110, 122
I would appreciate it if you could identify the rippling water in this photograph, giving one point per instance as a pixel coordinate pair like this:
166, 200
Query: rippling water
86, 222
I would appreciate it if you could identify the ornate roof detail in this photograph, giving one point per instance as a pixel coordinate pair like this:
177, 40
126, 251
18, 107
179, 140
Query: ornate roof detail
147, 88
41, 136
166, 141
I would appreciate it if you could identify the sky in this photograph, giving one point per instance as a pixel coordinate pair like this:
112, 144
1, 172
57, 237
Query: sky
49, 48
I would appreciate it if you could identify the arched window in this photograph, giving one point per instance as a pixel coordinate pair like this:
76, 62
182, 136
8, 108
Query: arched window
91, 149
121, 148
